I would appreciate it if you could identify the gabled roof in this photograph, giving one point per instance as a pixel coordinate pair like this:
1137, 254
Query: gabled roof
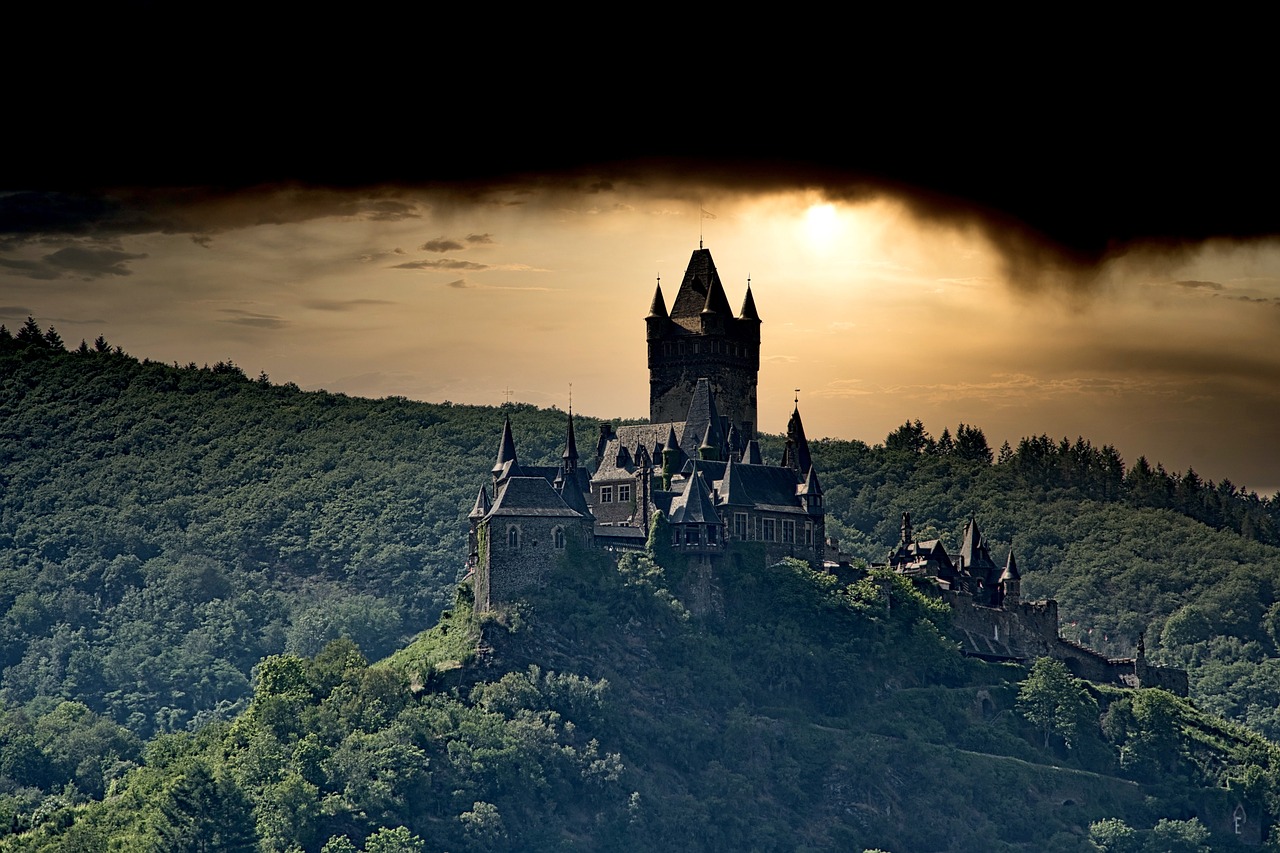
652, 437
530, 496
767, 487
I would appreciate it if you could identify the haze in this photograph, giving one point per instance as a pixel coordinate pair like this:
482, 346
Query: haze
875, 306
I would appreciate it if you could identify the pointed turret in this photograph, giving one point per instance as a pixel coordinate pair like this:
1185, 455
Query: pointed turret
658, 309
1011, 572
506, 452
1011, 582
694, 506
481, 508
796, 454
569, 459
717, 302
748, 311
707, 449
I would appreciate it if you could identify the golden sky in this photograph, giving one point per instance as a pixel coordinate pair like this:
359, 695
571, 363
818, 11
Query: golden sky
879, 306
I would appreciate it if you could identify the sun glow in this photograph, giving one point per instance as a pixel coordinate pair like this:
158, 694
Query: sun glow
821, 224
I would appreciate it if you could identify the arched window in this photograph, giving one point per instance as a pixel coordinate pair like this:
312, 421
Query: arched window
558, 538
513, 537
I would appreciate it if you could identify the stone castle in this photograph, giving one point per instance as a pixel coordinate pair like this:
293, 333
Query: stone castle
698, 463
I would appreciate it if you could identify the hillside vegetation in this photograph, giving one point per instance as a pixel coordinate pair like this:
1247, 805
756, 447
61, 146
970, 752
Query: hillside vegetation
165, 529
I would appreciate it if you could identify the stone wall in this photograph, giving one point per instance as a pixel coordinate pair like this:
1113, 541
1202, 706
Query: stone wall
505, 571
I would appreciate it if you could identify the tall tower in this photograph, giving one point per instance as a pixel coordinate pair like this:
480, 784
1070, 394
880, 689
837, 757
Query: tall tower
700, 338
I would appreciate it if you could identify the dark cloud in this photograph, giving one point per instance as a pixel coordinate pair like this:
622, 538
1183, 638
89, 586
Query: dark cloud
480, 239
390, 210
201, 240
460, 283
1200, 285
31, 269
441, 264
343, 304
77, 261
441, 244
253, 319
15, 311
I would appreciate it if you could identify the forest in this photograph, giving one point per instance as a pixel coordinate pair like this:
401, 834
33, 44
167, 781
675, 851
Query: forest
233, 618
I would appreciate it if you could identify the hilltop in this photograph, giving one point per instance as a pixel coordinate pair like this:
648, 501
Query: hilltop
165, 528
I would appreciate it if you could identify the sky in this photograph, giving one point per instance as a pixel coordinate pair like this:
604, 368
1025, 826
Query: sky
1074, 236
881, 302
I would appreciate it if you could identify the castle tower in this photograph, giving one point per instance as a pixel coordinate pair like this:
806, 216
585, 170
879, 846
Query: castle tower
700, 338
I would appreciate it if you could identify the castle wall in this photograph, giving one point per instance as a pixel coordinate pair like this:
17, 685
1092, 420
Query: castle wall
505, 571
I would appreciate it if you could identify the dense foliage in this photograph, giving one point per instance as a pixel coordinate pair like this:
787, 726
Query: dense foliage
796, 712
163, 528
180, 547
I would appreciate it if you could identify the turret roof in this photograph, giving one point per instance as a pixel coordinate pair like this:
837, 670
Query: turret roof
694, 505
482, 505
698, 279
658, 309
506, 450
748, 311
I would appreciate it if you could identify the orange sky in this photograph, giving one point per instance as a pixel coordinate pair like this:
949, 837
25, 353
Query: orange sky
879, 308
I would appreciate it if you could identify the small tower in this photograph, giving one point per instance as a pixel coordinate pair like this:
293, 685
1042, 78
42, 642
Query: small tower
1011, 581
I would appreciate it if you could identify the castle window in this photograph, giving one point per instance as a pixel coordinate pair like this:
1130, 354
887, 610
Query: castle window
606, 494
624, 493
513, 538
740, 525
691, 536
711, 534
789, 531
769, 531
808, 533
558, 538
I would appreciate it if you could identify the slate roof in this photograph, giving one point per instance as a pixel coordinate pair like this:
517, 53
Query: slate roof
701, 418
482, 505
694, 506
659, 306
699, 277
749, 306
631, 438
530, 496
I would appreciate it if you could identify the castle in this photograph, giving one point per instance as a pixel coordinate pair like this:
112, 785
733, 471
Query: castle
698, 463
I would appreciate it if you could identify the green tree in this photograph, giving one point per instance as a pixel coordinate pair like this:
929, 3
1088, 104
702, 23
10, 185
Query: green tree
1056, 702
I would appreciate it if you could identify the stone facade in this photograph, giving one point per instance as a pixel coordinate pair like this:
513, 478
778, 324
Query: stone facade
994, 623
697, 462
